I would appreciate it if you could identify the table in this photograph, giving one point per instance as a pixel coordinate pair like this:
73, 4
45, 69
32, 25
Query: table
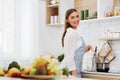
69, 78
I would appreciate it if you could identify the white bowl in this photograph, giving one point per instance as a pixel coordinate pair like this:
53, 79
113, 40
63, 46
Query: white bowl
52, 2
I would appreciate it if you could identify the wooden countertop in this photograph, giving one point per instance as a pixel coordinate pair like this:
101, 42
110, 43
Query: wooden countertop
101, 75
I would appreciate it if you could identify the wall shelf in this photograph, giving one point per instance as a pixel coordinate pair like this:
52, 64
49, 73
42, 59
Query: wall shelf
90, 21
56, 24
110, 39
55, 5
105, 19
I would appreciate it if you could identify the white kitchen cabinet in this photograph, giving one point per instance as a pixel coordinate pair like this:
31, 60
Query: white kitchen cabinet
99, 6
55, 13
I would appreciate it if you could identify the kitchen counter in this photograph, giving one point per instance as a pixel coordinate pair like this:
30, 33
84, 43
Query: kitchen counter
101, 75
69, 78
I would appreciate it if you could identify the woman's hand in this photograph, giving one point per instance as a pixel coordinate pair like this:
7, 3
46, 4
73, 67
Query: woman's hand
88, 47
74, 73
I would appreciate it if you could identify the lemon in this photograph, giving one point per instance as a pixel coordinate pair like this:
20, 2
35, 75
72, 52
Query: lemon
13, 70
2, 73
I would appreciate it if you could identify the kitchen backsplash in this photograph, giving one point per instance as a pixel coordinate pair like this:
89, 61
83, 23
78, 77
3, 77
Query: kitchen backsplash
93, 31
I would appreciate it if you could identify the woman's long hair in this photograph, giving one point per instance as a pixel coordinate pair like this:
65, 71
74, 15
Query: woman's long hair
67, 25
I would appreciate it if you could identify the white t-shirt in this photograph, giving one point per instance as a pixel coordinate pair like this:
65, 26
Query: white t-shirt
71, 42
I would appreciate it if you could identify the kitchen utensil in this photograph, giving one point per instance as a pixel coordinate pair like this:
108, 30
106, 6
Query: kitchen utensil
104, 52
102, 67
110, 57
94, 59
107, 53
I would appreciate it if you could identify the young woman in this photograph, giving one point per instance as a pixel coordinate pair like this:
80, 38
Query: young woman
73, 45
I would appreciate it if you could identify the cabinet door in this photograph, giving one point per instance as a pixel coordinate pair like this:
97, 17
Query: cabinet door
65, 5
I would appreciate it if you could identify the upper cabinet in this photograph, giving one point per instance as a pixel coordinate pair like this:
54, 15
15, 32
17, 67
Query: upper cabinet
82, 5
98, 9
90, 11
55, 11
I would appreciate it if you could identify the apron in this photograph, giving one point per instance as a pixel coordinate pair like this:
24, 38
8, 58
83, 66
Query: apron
79, 53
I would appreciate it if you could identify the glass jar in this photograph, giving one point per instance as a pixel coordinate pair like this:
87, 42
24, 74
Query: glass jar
52, 2
57, 1
117, 9
109, 12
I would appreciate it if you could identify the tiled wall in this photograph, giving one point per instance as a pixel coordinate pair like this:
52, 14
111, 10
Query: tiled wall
93, 31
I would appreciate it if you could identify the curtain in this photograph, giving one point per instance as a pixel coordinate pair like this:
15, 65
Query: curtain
7, 28
19, 31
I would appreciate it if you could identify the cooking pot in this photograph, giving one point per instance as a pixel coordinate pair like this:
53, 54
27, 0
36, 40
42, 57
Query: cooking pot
102, 67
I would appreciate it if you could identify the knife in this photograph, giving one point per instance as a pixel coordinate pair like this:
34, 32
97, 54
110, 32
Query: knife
95, 50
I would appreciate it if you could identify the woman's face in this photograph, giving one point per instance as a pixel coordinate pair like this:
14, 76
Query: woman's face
73, 19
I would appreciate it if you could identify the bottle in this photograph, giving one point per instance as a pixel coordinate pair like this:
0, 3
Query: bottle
94, 60
93, 63
117, 8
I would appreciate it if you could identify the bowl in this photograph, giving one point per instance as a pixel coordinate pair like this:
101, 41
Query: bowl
52, 2
102, 67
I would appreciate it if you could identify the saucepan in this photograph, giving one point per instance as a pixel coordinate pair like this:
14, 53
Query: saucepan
102, 67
